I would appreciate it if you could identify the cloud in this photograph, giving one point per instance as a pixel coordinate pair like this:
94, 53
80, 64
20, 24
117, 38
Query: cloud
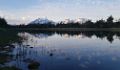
60, 9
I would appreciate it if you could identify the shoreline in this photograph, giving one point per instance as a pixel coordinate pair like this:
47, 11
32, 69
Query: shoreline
66, 29
61, 29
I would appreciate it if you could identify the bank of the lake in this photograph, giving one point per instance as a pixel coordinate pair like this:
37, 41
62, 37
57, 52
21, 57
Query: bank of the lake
62, 29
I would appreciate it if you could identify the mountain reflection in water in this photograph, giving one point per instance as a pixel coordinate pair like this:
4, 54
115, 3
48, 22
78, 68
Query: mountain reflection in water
100, 34
61, 50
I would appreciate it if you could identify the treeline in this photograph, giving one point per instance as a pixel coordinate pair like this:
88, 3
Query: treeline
108, 23
3, 22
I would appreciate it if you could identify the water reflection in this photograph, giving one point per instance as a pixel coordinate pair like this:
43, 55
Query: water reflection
61, 50
99, 34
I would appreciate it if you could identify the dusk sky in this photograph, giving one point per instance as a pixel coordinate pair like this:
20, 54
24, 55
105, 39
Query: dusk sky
28, 10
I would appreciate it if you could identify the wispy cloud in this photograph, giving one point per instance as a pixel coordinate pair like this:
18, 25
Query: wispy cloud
58, 9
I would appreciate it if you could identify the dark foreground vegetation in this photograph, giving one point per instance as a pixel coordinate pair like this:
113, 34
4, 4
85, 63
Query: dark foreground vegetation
7, 40
109, 23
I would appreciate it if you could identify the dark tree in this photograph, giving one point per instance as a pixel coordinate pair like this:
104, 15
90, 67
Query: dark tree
3, 22
110, 21
88, 24
100, 24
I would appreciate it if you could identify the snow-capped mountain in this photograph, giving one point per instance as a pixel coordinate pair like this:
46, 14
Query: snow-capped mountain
66, 21
41, 21
79, 20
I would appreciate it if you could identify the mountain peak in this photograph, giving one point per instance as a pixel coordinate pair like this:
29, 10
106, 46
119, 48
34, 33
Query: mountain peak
79, 20
41, 21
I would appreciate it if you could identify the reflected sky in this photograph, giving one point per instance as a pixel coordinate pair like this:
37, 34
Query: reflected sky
64, 52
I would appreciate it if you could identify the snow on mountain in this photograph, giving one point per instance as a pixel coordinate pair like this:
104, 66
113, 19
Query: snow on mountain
41, 21
66, 21
79, 20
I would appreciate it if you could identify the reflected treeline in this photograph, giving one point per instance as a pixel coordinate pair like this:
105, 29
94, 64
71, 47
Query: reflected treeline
99, 34
39, 34
109, 35
49, 33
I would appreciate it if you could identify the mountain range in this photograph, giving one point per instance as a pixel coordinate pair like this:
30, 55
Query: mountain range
66, 21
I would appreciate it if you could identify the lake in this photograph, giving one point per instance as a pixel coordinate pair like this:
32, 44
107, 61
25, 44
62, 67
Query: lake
86, 50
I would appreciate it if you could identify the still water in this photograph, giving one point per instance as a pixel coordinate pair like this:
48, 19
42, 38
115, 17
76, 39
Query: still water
62, 50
